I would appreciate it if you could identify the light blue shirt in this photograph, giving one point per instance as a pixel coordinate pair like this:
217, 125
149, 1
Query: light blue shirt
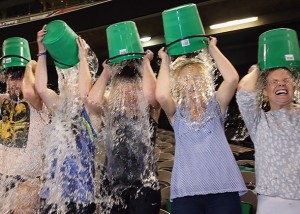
204, 163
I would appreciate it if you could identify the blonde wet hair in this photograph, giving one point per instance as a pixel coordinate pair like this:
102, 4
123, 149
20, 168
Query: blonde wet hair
192, 85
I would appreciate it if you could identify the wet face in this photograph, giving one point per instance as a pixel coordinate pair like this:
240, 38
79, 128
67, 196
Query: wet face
191, 80
279, 89
126, 94
14, 88
191, 87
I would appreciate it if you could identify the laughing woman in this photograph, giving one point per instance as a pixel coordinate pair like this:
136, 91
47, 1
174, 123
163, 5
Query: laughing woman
275, 134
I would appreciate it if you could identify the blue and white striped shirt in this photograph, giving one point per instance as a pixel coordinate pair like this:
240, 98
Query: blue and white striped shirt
204, 163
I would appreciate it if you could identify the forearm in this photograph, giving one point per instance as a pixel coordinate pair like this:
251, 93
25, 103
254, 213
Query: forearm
149, 84
28, 82
85, 79
225, 67
248, 82
41, 76
96, 95
48, 96
163, 80
28, 86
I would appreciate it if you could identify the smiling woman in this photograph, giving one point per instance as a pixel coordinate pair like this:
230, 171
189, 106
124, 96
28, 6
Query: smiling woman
275, 133
276, 87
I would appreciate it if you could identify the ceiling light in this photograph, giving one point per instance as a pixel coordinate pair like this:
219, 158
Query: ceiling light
146, 39
234, 22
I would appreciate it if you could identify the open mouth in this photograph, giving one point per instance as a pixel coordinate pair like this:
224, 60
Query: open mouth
281, 92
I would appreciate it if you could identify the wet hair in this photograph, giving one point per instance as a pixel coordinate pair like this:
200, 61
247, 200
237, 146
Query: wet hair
262, 83
16, 72
263, 77
130, 69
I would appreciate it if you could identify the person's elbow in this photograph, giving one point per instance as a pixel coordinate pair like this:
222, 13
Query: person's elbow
29, 94
161, 97
234, 80
40, 89
242, 86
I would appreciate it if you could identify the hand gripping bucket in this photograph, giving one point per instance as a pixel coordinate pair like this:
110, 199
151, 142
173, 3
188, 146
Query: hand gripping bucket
183, 30
123, 42
15, 52
60, 42
279, 48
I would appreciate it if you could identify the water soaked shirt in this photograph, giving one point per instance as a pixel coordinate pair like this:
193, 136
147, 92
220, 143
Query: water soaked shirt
21, 129
72, 161
276, 138
204, 163
129, 150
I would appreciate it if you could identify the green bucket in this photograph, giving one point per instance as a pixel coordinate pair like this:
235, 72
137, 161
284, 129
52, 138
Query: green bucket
168, 205
15, 52
279, 48
60, 42
246, 207
183, 30
123, 42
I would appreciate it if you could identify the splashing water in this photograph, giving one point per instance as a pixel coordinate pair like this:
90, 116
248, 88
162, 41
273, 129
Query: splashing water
193, 85
130, 160
236, 129
69, 167
20, 154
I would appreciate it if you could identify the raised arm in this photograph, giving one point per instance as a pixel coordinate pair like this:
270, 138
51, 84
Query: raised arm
28, 86
149, 80
162, 92
49, 97
96, 97
230, 76
85, 79
248, 82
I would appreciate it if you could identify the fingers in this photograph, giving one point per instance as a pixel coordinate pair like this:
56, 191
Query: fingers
149, 54
253, 68
105, 62
162, 49
212, 40
81, 43
162, 52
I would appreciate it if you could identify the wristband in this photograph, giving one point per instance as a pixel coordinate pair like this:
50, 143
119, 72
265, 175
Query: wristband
42, 53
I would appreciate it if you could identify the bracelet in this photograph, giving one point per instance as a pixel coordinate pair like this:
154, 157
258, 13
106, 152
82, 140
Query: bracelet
42, 53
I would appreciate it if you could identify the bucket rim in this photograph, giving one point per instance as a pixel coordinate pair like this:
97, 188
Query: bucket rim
187, 37
122, 55
12, 55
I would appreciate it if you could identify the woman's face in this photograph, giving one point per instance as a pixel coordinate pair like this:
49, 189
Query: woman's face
191, 80
280, 88
127, 95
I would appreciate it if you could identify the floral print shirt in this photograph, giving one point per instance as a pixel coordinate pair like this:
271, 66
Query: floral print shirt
276, 137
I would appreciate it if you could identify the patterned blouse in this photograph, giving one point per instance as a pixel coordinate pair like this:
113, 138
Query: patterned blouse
276, 137
204, 163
